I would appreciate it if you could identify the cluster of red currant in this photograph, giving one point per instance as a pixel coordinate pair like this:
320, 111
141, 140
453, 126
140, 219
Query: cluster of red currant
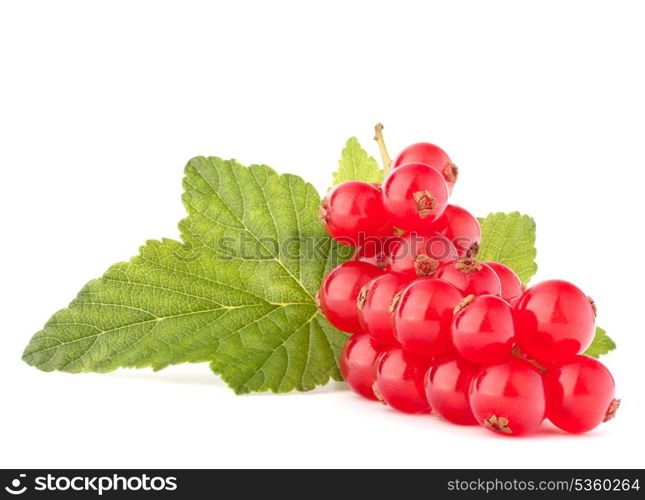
437, 330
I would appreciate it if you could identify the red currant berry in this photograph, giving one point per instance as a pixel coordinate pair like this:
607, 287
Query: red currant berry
554, 321
423, 315
419, 255
447, 384
512, 287
580, 394
414, 196
471, 276
357, 362
353, 209
461, 228
424, 152
508, 398
376, 251
482, 329
374, 302
399, 381
337, 296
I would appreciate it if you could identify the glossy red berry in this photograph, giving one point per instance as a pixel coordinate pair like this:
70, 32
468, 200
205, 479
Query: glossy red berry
508, 398
482, 329
424, 152
580, 394
554, 321
471, 276
376, 250
374, 301
512, 287
461, 228
337, 296
357, 363
414, 196
353, 210
447, 384
423, 315
400, 381
419, 255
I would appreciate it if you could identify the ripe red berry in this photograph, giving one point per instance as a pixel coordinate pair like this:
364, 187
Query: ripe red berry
337, 296
580, 394
471, 276
508, 398
447, 384
414, 196
419, 255
460, 227
353, 210
374, 302
357, 362
424, 152
399, 381
376, 250
423, 315
512, 287
554, 321
482, 329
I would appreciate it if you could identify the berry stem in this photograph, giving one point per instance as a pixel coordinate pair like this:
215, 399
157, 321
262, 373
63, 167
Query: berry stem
378, 137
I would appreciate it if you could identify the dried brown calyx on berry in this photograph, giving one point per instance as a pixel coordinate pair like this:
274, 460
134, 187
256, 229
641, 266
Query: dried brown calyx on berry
323, 213
362, 297
611, 411
451, 172
468, 265
425, 266
424, 203
473, 251
499, 424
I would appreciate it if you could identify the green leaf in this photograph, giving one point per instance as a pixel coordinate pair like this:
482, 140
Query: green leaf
266, 208
238, 293
601, 344
155, 310
356, 165
510, 239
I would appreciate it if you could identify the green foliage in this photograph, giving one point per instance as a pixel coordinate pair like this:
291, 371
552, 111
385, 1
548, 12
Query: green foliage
356, 165
601, 344
238, 293
510, 239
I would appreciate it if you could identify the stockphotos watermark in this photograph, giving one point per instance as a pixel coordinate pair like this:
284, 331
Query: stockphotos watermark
246, 247
97, 485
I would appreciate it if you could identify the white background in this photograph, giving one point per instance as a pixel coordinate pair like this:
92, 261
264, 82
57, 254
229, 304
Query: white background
541, 104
